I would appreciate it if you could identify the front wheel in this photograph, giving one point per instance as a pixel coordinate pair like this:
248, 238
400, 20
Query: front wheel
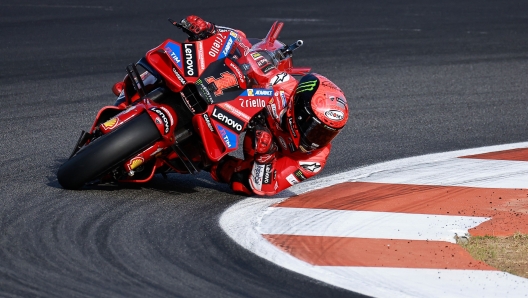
105, 153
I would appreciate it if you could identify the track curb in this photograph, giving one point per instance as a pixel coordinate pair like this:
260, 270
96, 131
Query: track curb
246, 223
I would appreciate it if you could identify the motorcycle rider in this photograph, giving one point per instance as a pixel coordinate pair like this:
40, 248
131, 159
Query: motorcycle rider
290, 141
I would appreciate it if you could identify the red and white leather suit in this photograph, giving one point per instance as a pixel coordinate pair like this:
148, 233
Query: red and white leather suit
280, 163
275, 154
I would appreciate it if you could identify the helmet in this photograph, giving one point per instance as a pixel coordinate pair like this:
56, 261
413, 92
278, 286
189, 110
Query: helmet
318, 112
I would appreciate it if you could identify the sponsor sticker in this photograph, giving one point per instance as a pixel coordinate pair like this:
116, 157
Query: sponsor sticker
280, 78
292, 127
229, 43
334, 115
164, 118
208, 122
263, 92
292, 180
178, 75
262, 62
257, 173
134, 163
252, 103
201, 56
283, 97
190, 67
299, 175
258, 92
310, 166
238, 71
174, 51
228, 119
267, 68
217, 45
171, 121
110, 123
306, 86
236, 112
266, 179
229, 138
205, 92
273, 110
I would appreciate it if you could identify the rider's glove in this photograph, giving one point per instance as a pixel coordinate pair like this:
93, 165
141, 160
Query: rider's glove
264, 145
197, 28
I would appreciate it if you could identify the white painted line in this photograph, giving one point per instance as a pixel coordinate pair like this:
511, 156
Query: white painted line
470, 172
364, 173
365, 224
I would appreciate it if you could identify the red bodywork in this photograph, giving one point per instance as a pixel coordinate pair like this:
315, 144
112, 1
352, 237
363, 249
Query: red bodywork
216, 68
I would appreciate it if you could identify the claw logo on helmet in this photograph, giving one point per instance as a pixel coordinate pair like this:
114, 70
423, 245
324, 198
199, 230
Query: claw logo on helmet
306, 86
319, 111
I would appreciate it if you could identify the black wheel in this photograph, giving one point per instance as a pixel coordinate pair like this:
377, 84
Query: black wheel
105, 153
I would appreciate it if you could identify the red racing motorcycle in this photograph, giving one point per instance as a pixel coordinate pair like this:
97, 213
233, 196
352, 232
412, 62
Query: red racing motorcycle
181, 108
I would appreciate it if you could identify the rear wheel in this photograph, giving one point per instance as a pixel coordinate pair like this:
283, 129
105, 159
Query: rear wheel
105, 153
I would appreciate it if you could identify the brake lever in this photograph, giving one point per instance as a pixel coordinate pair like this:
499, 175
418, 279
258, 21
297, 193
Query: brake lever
175, 23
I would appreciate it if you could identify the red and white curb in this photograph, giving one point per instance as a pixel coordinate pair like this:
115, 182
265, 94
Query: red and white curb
388, 230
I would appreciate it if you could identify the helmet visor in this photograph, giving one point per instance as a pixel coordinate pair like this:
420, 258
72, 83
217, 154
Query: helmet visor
313, 133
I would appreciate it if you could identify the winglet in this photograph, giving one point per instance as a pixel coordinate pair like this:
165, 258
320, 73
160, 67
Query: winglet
274, 32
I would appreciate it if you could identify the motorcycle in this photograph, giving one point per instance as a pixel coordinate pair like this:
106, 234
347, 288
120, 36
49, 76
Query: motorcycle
181, 108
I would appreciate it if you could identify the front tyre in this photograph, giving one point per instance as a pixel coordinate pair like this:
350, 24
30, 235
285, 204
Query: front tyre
108, 151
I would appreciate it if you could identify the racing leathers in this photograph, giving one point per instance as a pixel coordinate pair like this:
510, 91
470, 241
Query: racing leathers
272, 161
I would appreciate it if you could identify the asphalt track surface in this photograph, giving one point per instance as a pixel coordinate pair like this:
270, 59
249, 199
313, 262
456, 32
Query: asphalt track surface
420, 77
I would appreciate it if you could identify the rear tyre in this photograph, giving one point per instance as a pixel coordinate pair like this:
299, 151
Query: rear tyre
105, 153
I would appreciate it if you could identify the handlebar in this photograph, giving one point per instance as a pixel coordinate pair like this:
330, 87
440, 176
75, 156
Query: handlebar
294, 46
279, 54
287, 51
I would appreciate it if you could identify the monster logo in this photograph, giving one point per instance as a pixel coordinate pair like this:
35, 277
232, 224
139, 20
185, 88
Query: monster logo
306, 86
